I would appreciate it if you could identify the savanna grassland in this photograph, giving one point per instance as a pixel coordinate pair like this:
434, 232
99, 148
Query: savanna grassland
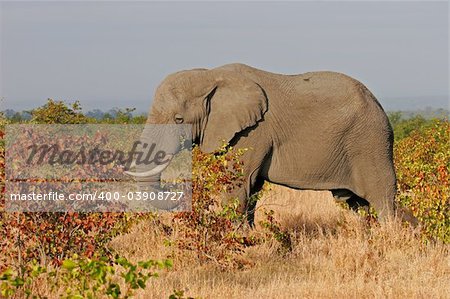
334, 254
304, 243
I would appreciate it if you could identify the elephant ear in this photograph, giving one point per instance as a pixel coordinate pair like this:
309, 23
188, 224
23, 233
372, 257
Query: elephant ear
234, 104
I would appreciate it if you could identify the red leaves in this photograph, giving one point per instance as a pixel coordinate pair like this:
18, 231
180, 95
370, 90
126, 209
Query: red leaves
55, 236
211, 229
422, 163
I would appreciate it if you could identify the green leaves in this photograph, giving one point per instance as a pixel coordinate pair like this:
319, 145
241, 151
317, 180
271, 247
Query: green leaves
282, 236
58, 112
214, 227
86, 278
422, 163
69, 265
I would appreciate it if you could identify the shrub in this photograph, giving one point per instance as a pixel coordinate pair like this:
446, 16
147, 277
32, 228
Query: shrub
213, 230
422, 162
52, 237
282, 236
82, 278
58, 112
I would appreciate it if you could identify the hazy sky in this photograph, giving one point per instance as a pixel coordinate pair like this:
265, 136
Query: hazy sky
114, 54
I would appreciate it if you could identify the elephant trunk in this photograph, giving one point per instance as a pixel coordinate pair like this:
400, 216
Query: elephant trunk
156, 147
154, 151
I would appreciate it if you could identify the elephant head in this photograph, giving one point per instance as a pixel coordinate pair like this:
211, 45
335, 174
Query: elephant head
218, 104
215, 104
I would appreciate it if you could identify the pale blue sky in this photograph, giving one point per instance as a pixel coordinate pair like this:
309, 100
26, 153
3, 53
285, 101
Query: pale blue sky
114, 54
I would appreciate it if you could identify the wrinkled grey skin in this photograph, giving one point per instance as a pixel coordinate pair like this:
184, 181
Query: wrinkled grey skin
318, 130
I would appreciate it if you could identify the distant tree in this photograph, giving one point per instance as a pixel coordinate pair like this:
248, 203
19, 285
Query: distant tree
123, 116
139, 119
58, 112
96, 113
404, 124
441, 113
26, 115
16, 118
3, 121
9, 113
395, 117
112, 112
107, 118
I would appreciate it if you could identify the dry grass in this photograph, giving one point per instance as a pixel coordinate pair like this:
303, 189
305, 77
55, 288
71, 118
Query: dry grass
334, 255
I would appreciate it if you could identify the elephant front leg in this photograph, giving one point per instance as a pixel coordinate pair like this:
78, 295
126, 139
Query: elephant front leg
240, 195
251, 200
246, 198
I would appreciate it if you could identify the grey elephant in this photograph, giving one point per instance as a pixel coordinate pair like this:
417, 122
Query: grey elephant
317, 130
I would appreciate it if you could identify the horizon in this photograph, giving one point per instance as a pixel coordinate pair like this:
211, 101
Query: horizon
421, 107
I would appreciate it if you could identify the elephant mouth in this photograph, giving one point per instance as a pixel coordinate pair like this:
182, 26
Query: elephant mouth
149, 173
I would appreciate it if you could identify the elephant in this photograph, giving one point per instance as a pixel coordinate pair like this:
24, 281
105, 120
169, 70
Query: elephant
312, 131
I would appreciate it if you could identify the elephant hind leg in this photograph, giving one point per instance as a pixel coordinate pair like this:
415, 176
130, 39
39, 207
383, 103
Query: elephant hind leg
384, 205
354, 201
374, 181
381, 199
387, 208
342, 194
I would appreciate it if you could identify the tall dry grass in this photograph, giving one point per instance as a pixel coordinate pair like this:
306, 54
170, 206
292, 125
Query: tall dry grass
335, 254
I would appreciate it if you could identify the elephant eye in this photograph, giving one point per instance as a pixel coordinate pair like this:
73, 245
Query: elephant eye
178, 118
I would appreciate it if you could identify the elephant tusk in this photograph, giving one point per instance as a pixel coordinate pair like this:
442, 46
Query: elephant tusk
152, 172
